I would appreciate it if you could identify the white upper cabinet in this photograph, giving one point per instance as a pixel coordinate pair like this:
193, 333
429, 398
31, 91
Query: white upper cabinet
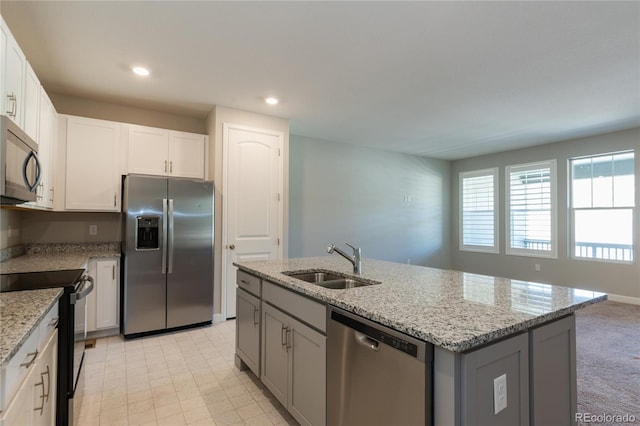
31, 103
162, 152
14, 65
92, 180
148, 148
186, 154
47, 133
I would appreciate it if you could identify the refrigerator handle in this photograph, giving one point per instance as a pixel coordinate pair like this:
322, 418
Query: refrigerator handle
171, 234
164, 235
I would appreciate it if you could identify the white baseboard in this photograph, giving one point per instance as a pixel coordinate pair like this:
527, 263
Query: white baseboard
217, 318
624, 299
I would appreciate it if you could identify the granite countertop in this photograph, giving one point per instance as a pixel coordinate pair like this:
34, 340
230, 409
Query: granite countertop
20, 314
58, 257
455, 310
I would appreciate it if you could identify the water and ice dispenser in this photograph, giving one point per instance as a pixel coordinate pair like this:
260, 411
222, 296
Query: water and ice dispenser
147, 233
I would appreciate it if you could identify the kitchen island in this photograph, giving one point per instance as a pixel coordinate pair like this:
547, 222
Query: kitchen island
471, 320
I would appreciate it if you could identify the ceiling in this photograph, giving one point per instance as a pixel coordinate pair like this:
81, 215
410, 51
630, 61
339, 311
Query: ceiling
446, 80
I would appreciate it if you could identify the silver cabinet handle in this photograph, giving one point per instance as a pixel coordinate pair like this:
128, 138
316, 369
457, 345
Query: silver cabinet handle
256, 321
115, 195
41, 408
14, 104
170, 166
245, 282
165, 166
232, 246
53, 323
33, 356
288, 339
283, 335
48, 374
113, 272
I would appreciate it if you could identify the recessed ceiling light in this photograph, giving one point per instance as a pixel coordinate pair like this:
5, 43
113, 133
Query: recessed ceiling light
141, 71
272, 101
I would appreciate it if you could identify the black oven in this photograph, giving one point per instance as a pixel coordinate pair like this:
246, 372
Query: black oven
71, 331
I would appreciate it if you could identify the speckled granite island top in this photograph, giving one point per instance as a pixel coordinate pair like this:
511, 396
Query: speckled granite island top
454, 310
20, 313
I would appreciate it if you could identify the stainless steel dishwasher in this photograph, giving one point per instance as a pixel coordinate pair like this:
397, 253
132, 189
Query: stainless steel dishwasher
376, 375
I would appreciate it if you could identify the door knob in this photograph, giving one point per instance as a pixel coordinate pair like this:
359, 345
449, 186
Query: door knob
232, 246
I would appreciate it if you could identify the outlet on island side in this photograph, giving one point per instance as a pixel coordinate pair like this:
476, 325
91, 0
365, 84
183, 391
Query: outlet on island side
499, 393
537, 267
93, 229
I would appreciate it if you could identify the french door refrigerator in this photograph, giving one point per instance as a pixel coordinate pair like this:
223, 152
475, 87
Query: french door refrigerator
168, 254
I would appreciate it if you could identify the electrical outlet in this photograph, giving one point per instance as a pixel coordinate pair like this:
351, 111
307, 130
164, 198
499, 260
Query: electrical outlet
537, 267
93, 229
499, 393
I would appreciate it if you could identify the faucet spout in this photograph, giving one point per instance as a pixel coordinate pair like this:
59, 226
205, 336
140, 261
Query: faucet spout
355, 259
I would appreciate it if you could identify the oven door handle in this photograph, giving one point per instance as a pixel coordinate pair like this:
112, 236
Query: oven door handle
84, 289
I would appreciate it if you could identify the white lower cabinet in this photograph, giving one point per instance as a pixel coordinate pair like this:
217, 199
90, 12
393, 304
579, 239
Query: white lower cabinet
294, 365
102, 302
34, 403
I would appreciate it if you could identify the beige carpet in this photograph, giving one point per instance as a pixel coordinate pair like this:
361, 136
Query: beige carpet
608, 357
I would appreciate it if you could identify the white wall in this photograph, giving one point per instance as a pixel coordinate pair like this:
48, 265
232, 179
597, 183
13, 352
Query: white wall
340, 192
616, 278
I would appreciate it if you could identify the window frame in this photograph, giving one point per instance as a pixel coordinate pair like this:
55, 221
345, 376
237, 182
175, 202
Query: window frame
495, 249
553, 195
572, 210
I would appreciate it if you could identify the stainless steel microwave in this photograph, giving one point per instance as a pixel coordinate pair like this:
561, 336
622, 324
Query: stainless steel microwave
20, 169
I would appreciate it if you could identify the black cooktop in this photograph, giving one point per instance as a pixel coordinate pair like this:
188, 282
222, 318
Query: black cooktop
39, 280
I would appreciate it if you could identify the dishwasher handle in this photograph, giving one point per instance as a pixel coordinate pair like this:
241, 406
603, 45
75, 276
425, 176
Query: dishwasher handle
366, 341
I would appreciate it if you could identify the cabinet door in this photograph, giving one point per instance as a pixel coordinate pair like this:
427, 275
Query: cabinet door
274, 352
186, 154
93, 166
148, 150
248, 330
307, 374
47, 148
107, 293
15, 68
31, 103
44, 390
553, 373
20, 410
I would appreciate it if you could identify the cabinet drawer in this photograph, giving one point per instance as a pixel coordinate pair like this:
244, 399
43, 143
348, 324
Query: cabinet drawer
303, 308
47, 326
248, 283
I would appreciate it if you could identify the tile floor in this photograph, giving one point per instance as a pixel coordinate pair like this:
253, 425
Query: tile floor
182, 378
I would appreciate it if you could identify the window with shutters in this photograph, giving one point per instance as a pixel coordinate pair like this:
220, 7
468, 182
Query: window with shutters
531, 209
479, 211
602, 206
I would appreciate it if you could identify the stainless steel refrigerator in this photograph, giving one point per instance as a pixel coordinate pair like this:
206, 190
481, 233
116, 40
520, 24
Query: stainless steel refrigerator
168, 254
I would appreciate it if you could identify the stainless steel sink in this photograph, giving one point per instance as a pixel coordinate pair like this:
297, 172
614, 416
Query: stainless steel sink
329, 279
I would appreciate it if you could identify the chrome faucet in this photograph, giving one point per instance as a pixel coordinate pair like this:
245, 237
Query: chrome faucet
355, 259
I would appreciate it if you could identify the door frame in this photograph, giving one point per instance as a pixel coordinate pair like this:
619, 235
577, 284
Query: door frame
226, 126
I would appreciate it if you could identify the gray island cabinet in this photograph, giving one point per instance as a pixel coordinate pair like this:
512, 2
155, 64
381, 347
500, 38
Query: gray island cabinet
504, 350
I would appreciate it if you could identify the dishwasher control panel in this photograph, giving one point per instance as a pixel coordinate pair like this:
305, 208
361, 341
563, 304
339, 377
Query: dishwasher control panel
377, 334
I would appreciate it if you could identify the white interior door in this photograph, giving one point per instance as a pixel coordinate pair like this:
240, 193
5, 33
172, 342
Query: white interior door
253, 213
